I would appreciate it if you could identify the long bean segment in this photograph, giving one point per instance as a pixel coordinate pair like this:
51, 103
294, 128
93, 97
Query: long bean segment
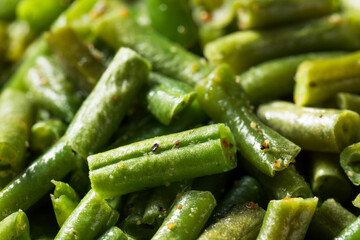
106, 106
187, 217
325, 130
287, 218
91, 217
224, 101
318, 80
244, 49
15, 226
162, 160
243, 221
350, 162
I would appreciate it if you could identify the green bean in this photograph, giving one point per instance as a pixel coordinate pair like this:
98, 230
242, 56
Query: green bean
351, 232
162, 160
244, 49
91, 217
323, 130
287, 218
243, 221
45, 133
349, 161
318, 80
274, 79
51, 89
105, 107
348, 101
327, 177
224, 101
262, 14
167, 98
15, 226
187, 217
114, 233
329, 220
17, 113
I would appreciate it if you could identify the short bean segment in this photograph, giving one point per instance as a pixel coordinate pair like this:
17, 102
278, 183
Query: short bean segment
243, 221
161, 160
187, 216
348, 101
315, 129
93, 216
15, 226
318, 80
224, 101
287, 219
350, 162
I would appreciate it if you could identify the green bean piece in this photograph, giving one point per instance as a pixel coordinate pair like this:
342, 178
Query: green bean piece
117, 29
173, 20
287, 219
75, 57
17, 113
216, 184
348, 101
246, 189
64, 201
15, 226
40, 14
105, 107
114, 233
224, 101
274, 79
167, 98
162, 160
329, 220
314, 129
356, 201
351, 232
244, 49
187, 216
51, 88
34, 182
243, 221
45, 133
318, 80
8, 9
349, 161
92, 217
327, 178
262, 13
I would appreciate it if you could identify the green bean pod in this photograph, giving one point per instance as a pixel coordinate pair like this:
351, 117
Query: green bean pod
17, 113
162, 160
329, 220
243, 221
224, 101
322, 130
15, 226
32, 184
327, 178
167, 98
187, 217
93, 216
287, 218
348, 101
117, 30
351, 232
244, 49
318, 80
274, 79
350, 160
262, 14
106, 106
114, 233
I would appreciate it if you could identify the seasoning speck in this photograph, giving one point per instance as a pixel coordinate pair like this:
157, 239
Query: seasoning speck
171, 226
154, 147
177, 144
179, 206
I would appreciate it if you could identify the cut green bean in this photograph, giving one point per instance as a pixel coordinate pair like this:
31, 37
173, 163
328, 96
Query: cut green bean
287, 218
351, 232
356, 201
167, 98
162, 160
348, 101
92, 217
15, 226
350, 162
329, 220
244, 49
187, 217
318, 80
105, 107
224, 101
114, 233
243, 221
322, 130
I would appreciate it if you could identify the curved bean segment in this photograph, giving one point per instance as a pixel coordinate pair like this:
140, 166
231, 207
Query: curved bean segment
15, 226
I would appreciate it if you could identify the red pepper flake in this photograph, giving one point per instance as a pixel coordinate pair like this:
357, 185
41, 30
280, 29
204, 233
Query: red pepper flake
251, 205
277, 163
179, 206
176, 117
171, 226
124, 12
225, 143
205, 16
265, 145
115, 98
177, 144
154, 147
286, 198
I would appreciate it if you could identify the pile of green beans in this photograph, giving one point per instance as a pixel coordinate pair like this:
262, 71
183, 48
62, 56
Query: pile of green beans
168, 119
